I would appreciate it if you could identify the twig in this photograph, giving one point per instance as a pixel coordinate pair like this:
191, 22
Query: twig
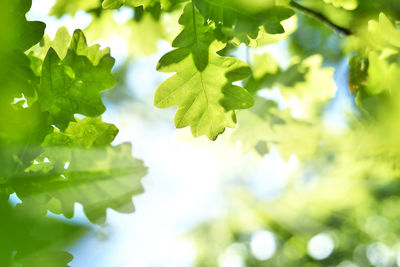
320, 17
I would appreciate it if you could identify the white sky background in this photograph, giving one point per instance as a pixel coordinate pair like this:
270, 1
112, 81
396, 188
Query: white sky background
186, 179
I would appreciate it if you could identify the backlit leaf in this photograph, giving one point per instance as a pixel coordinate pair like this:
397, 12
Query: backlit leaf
73, 84
202, 86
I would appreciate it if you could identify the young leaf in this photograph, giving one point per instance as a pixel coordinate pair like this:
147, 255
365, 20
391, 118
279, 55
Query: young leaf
60, 43
31, 241
97, 175
73, 85
245, 17
265, 125
202, 86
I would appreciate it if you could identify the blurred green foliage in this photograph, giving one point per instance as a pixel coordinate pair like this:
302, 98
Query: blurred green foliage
339, 208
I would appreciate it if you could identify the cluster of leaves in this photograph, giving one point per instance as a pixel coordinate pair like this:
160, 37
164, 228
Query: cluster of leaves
48, 157
202, 87
229, 22
347, 187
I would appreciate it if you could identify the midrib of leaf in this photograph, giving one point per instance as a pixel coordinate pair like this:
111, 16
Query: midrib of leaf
196, 41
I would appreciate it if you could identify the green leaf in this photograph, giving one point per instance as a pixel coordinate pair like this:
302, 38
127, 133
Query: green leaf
60, 43
265, 125
170, 4
22, 131
383, 77
93, 53
383, 34
357, 73
245, 17
73, 85
346, 4
34, 241
97, 175
16, 33
306, 85
267, 73
202, 86
374, 75
256, 125
112, 4
70, 7
142, 36
144, 3
165, 4
91, 132
22, 126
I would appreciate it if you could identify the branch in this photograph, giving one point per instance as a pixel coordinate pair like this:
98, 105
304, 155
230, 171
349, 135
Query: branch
320, 17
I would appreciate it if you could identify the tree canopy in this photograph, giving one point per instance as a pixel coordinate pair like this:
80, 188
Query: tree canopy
56, 150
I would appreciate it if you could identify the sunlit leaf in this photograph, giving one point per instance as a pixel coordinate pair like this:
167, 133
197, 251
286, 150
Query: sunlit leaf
202, 87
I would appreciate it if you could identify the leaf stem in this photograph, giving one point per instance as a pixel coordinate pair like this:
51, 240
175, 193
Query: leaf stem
320, 17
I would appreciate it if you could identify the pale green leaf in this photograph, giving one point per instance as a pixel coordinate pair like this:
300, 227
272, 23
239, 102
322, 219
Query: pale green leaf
97, 175
112, 4
202, 86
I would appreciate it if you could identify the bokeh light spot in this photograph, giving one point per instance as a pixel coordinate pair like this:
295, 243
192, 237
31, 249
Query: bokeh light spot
263, 245
320, 246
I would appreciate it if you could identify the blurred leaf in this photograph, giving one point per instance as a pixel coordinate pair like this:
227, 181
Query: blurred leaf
112, 4
383, 34
139, 38
313, 37
144, 3
34, 242
60, 43
97, 175
70, 7
346, 4
357, 73
266, 125
245, 18
23, 34
264, 38
268, 73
